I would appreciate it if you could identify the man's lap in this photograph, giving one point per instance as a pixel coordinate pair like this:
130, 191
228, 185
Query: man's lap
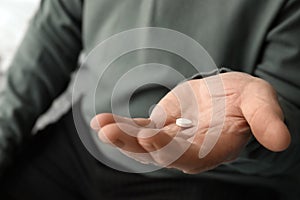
57, 166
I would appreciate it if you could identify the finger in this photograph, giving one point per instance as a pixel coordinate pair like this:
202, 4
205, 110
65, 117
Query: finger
162, 147
172, 152
152, 140
144, 158
167, 110
104, 119
181, 154
122, 136
161, 116
265, 117
165, 146
180, 102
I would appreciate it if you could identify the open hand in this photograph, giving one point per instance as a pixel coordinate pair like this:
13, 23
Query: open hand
225, 109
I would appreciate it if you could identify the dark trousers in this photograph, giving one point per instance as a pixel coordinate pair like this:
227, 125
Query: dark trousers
56, 165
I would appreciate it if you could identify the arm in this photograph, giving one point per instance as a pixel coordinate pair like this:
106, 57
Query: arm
280, 66
40, 71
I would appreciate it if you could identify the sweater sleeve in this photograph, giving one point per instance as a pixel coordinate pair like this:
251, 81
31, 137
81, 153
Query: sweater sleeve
279, 64
40, 71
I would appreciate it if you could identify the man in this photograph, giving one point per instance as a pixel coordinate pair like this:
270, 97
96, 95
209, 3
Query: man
256, 37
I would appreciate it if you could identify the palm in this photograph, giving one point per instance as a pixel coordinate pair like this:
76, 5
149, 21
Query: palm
223, 109
218, 121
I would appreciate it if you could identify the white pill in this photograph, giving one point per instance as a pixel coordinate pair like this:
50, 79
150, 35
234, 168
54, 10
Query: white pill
183, 122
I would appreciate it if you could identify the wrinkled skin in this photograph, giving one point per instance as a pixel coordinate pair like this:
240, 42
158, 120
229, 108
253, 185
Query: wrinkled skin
232, 106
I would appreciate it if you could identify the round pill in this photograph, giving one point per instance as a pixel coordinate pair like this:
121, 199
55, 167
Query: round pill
183, 122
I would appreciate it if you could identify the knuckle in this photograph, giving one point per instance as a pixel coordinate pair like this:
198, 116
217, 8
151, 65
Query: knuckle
146, 143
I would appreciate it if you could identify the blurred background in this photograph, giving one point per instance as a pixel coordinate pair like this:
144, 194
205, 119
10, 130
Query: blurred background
14, 18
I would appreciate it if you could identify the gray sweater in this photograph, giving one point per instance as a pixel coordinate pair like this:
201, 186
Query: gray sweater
257, 37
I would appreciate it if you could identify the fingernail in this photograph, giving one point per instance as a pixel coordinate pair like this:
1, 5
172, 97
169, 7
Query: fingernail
203, 152
142, 122
94, 124
103, 138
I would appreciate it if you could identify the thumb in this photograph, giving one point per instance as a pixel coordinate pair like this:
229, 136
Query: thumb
265, 119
